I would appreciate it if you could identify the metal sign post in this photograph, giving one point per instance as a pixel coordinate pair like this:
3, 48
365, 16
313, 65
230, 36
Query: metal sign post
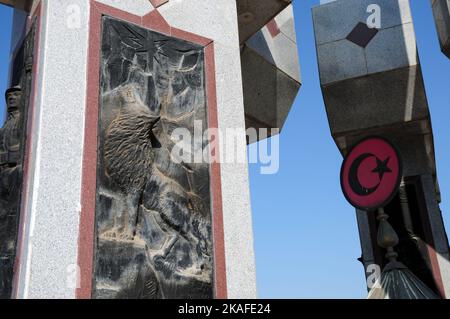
370, 177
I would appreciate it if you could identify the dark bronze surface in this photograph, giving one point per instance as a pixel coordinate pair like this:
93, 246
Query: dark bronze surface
153, 217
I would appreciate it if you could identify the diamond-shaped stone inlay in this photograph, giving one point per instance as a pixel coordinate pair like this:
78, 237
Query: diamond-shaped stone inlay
362, 35
158, 3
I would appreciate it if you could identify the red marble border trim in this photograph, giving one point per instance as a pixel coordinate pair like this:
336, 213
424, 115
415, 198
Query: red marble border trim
436, 270
220, 278
156, 22
36, 14
428, 241
89, 176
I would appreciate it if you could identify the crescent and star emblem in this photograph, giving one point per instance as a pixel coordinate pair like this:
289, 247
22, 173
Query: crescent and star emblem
382, 168
371, 173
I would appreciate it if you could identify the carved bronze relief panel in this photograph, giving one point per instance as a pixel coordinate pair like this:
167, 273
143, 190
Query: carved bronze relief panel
153, 216
12, 149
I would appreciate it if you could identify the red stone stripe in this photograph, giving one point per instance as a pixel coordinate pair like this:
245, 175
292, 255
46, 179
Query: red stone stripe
155, 21
436, 270
89, 171
220, 278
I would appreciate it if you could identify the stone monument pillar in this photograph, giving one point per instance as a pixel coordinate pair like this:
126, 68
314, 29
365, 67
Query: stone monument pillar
441, 12
107, 210
269, 55
372, 84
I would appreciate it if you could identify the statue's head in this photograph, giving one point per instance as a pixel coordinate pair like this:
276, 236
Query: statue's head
13, 96
128, 94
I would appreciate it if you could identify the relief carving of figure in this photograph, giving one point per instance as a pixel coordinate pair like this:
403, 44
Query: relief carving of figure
10, 156
12, 151
10, 179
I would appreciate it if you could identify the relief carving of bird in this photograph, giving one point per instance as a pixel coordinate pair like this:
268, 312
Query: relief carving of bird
139, 164
128, 157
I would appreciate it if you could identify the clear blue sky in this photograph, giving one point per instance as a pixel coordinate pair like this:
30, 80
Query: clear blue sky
5, 40
306, 237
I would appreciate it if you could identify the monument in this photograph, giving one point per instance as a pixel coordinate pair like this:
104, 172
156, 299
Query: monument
95, 202
441, 12
105, 209
372, 84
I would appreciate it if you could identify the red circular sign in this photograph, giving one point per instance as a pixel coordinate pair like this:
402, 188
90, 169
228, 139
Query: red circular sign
371, 173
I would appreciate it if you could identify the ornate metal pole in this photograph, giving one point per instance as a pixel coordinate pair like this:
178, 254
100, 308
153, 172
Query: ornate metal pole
387, 237
396, 280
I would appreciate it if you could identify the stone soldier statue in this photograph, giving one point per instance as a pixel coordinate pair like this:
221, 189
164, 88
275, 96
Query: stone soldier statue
10, 136
10, 182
